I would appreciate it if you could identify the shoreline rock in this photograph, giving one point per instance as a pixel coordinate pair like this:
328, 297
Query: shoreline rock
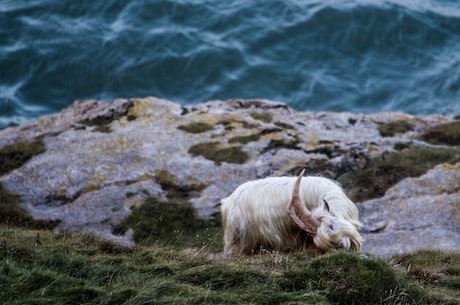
104, 159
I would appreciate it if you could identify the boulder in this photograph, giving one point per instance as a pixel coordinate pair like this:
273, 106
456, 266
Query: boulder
103, 159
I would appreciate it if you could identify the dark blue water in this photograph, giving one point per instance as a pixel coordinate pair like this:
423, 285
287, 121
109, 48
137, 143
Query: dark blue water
360, 56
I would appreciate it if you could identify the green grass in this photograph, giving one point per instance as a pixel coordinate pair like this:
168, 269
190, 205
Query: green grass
79, 269
177, 261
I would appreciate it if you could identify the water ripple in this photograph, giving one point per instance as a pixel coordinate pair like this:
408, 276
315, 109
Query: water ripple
360, 55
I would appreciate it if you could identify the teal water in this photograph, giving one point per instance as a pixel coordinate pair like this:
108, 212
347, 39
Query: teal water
359, 56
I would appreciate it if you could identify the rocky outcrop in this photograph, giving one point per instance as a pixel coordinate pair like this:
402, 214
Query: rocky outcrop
102, 159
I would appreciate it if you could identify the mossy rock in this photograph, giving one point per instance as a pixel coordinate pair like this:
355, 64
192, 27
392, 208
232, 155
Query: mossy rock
290, 143
196, 127
380, 174
444, 134
391, 128
245, 139
213, 151
265, 117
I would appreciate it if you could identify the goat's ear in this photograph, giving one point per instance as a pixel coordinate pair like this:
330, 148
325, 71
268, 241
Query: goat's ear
326, 205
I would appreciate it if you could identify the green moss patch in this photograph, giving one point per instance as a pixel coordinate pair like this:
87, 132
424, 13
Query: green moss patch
290, 143
213, 151
265, 117
447, 134
382, 173
245, 139
196, 127
15, 155
391, 128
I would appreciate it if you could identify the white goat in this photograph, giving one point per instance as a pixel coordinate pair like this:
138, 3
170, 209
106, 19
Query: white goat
274, 214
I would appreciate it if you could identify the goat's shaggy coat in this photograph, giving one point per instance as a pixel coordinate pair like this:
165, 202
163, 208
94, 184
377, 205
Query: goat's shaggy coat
255, 216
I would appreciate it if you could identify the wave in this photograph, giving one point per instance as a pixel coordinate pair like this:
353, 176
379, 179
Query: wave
359, 56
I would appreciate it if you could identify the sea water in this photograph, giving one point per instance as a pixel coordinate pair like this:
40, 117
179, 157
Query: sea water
337, 55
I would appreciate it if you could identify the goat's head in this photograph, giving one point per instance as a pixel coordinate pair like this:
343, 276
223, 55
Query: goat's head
328, 231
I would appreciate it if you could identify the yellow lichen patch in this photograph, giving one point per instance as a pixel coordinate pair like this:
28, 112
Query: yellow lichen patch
90, 187
144, 177
449, 167
41, 121
209, 119
313, 138
139, 108
122, 142
61, 193
310, 146
273, 136
190, 180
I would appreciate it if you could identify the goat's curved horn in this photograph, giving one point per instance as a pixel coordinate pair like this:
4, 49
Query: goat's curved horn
299, 212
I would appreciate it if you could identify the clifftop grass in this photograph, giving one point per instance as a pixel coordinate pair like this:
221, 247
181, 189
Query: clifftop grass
41, 268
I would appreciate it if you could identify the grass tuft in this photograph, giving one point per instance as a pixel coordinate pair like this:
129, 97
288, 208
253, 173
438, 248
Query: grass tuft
15, 155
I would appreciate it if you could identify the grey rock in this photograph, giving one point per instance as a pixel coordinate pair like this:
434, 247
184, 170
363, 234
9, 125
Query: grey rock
103, 159
416, 214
